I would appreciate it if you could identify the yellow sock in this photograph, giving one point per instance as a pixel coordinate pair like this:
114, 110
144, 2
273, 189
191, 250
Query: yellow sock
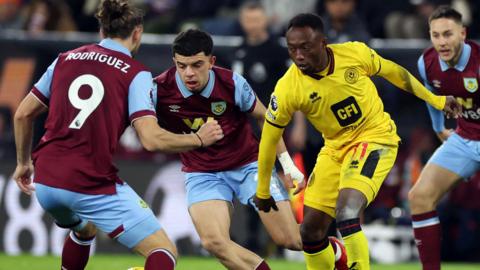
322, 260
357, 251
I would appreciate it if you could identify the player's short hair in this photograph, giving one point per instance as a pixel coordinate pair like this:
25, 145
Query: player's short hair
118, 18
192, 42
307, 20
445, 11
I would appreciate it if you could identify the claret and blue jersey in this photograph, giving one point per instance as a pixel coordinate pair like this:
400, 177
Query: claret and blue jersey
227, 98
460, 152
460, 81
93, 92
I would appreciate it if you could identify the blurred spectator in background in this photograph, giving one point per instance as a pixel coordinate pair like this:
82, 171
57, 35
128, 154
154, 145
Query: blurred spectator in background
48, 15
159, 15
10, 14
473, 30
83, 13
342, 22
412, 22
7, 143
262, 61
215, 16
374, 13
280, 12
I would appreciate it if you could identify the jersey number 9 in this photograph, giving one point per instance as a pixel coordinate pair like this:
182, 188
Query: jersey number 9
86, 106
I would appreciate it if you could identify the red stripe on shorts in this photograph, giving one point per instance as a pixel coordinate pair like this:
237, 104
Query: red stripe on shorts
364, 150
116, 233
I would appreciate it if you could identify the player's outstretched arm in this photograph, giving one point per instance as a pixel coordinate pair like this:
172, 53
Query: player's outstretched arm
266, 159
259, 113
401, 78
26, 113
290, 170
438, 123
155, 138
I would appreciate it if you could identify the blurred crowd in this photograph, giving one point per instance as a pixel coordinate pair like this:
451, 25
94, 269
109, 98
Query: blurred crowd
345, 19
262, 61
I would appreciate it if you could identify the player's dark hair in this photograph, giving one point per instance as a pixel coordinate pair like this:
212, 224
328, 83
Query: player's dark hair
118, 18
307, 20
447, 12
191, 42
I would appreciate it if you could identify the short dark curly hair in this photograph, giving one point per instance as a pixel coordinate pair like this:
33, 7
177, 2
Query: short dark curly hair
192, 42
307, 19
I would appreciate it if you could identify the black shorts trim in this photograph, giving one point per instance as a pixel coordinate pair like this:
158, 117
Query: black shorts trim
371, 164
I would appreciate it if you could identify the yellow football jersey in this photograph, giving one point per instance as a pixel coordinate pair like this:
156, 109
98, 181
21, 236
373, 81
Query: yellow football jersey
341, 102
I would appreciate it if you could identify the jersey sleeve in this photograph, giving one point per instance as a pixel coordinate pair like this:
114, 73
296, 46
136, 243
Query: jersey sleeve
266, 158
244, 95
280, 108
371, 61
401, 78
140, 96
438, 121
41, 89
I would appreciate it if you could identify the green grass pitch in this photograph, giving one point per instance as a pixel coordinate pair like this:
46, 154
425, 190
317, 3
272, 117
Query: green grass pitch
123, 262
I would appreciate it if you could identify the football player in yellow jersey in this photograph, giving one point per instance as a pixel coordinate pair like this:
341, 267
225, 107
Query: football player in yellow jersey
331, 85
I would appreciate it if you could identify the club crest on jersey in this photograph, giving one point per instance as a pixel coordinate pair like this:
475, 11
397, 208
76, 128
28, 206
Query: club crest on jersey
351, 75
219, 107
470, 84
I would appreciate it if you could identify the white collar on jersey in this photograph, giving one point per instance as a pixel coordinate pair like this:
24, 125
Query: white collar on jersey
206, 92
114, 46
462, 61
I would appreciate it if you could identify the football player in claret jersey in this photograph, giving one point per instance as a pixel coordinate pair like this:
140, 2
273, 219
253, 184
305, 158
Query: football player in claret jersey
195, 91
450, 67
91, 94
331, 85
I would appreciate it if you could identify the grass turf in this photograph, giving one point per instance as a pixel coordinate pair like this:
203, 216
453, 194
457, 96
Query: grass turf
123, 262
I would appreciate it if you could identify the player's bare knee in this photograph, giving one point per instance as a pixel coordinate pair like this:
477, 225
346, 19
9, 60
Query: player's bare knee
419, 201
412, 196
312, 232
215, 245
348, 212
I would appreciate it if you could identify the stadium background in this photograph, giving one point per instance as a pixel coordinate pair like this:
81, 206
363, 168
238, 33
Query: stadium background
24, 228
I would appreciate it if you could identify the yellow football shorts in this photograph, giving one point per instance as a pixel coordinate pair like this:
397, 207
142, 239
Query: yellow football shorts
362, 167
